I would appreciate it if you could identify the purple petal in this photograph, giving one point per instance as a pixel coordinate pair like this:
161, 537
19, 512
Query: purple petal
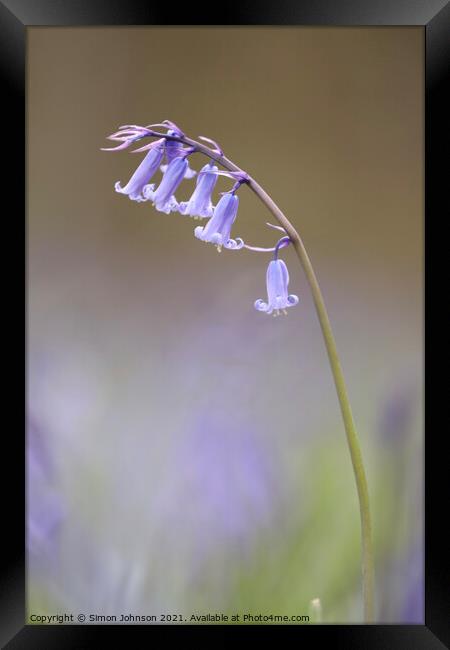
277, 280
234, 244
148, 167
172, 178
219, 226
260, 305
200, 204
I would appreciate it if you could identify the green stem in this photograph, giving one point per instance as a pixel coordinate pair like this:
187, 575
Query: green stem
350, 429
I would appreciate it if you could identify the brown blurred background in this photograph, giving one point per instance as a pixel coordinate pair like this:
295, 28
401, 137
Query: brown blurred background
134, 324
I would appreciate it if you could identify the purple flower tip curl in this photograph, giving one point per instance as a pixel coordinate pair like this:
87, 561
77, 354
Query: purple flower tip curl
163, 197
148, 167
277, 279
218, 229
200, 204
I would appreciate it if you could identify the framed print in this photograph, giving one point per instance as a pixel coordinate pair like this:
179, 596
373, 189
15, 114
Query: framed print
225, 330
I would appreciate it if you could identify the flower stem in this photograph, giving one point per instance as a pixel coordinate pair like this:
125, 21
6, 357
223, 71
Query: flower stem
330, 344
350, 429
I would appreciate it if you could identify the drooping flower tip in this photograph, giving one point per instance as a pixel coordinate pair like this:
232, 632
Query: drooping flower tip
218, 229
146, 170
277, 280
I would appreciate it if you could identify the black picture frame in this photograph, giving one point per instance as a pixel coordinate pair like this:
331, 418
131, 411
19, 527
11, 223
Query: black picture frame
434, 15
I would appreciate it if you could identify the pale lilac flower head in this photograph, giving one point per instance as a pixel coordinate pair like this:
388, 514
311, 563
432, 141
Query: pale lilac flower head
277, 279
176, 147
146, 170
163, 197
218, 229
200, 204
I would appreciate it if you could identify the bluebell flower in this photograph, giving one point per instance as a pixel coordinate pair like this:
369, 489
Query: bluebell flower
200, 204
277, 279
226, 474
175, 149
45, 511
217, 230
148, 167
163, 197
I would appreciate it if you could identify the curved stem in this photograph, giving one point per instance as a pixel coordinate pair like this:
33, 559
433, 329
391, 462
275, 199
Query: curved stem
330, 344
350, 429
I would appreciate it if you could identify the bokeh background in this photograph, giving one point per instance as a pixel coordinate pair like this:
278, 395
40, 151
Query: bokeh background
185, 452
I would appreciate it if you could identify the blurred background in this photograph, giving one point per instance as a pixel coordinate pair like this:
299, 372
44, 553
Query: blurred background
186, 453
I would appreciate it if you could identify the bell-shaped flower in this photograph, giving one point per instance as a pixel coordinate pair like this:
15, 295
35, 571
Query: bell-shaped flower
163, 197
218, 229
200, 204
148, 167
277, 279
